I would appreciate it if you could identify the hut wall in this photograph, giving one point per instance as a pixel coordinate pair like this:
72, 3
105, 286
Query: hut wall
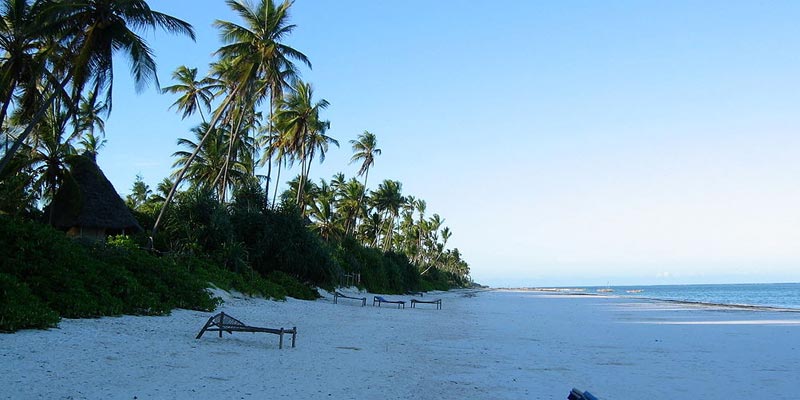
87, 233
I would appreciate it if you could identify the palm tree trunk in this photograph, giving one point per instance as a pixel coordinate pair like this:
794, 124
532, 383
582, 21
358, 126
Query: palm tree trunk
6, 103
266, 183
226, 165
302, 183
277, 180
178, 179
361, 199
203, 117
269, 151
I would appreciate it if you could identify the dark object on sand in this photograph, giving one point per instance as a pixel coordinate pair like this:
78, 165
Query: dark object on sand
438, 303
224, 322
336, 296
576, 394
379, 299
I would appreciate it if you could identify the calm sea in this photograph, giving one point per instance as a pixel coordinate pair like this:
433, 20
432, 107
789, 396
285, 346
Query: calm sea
783, 295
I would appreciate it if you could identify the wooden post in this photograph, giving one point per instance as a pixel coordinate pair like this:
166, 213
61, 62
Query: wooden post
280, 344
294, 335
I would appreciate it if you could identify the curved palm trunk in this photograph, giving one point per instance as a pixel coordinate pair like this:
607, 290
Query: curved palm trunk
179, 178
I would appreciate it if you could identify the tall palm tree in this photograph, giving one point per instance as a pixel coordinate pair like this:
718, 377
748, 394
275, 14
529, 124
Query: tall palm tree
97, 30
257, 50
194, 95
49, 151
349, 203
365, 149
20, 41
298, 118
388, 199
318, 143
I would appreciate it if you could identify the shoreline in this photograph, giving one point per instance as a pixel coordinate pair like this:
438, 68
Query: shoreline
707, 304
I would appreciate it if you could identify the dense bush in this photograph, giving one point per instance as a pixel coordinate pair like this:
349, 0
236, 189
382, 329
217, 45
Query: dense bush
75, 279
293, 287
20, 309
247, 282
380, 272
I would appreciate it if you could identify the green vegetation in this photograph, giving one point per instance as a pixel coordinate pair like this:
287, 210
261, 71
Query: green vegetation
215, 220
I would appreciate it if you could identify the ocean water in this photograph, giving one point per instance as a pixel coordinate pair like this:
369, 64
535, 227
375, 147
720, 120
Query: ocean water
781, 295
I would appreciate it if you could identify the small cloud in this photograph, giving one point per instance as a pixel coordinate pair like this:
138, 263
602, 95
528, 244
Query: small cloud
663, 275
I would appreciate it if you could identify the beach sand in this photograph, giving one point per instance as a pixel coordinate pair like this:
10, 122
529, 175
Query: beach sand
485, 344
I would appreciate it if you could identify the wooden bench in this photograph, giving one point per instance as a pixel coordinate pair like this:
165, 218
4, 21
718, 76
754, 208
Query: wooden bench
438, 303
224, 322
379, 299
420, 294
336, 296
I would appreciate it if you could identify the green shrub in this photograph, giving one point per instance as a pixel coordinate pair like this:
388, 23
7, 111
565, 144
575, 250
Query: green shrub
247, 282
293, 287
20, 309
91, 279
284, 243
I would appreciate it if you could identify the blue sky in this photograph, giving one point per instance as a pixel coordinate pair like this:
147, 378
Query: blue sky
564, 143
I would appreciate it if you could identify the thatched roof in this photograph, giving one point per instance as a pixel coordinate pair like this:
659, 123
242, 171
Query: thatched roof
87, 199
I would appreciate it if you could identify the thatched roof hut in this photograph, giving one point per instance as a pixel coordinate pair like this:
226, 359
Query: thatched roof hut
87, 205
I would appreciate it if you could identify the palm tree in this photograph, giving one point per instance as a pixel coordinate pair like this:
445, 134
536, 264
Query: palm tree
92, 144
364, 149
209, 160
298, 118
349, 203
309, 191
20, 41
194, 95
49, 152
140, 192
389, 200
96, 30
99, 28
256, 48
255, 52
90, 115
274, 148
319, 142
323, 212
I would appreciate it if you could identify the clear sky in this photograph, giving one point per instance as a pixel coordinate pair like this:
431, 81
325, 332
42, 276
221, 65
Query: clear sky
564, 142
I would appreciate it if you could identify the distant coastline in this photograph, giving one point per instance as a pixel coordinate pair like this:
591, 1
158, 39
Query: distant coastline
783, 297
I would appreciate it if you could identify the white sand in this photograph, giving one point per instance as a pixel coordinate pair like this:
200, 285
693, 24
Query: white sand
496, 345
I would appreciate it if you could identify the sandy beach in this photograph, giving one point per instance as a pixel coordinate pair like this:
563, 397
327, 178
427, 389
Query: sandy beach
486, 344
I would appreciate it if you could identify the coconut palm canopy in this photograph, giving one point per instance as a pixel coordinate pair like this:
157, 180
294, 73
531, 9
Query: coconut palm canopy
87, 199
